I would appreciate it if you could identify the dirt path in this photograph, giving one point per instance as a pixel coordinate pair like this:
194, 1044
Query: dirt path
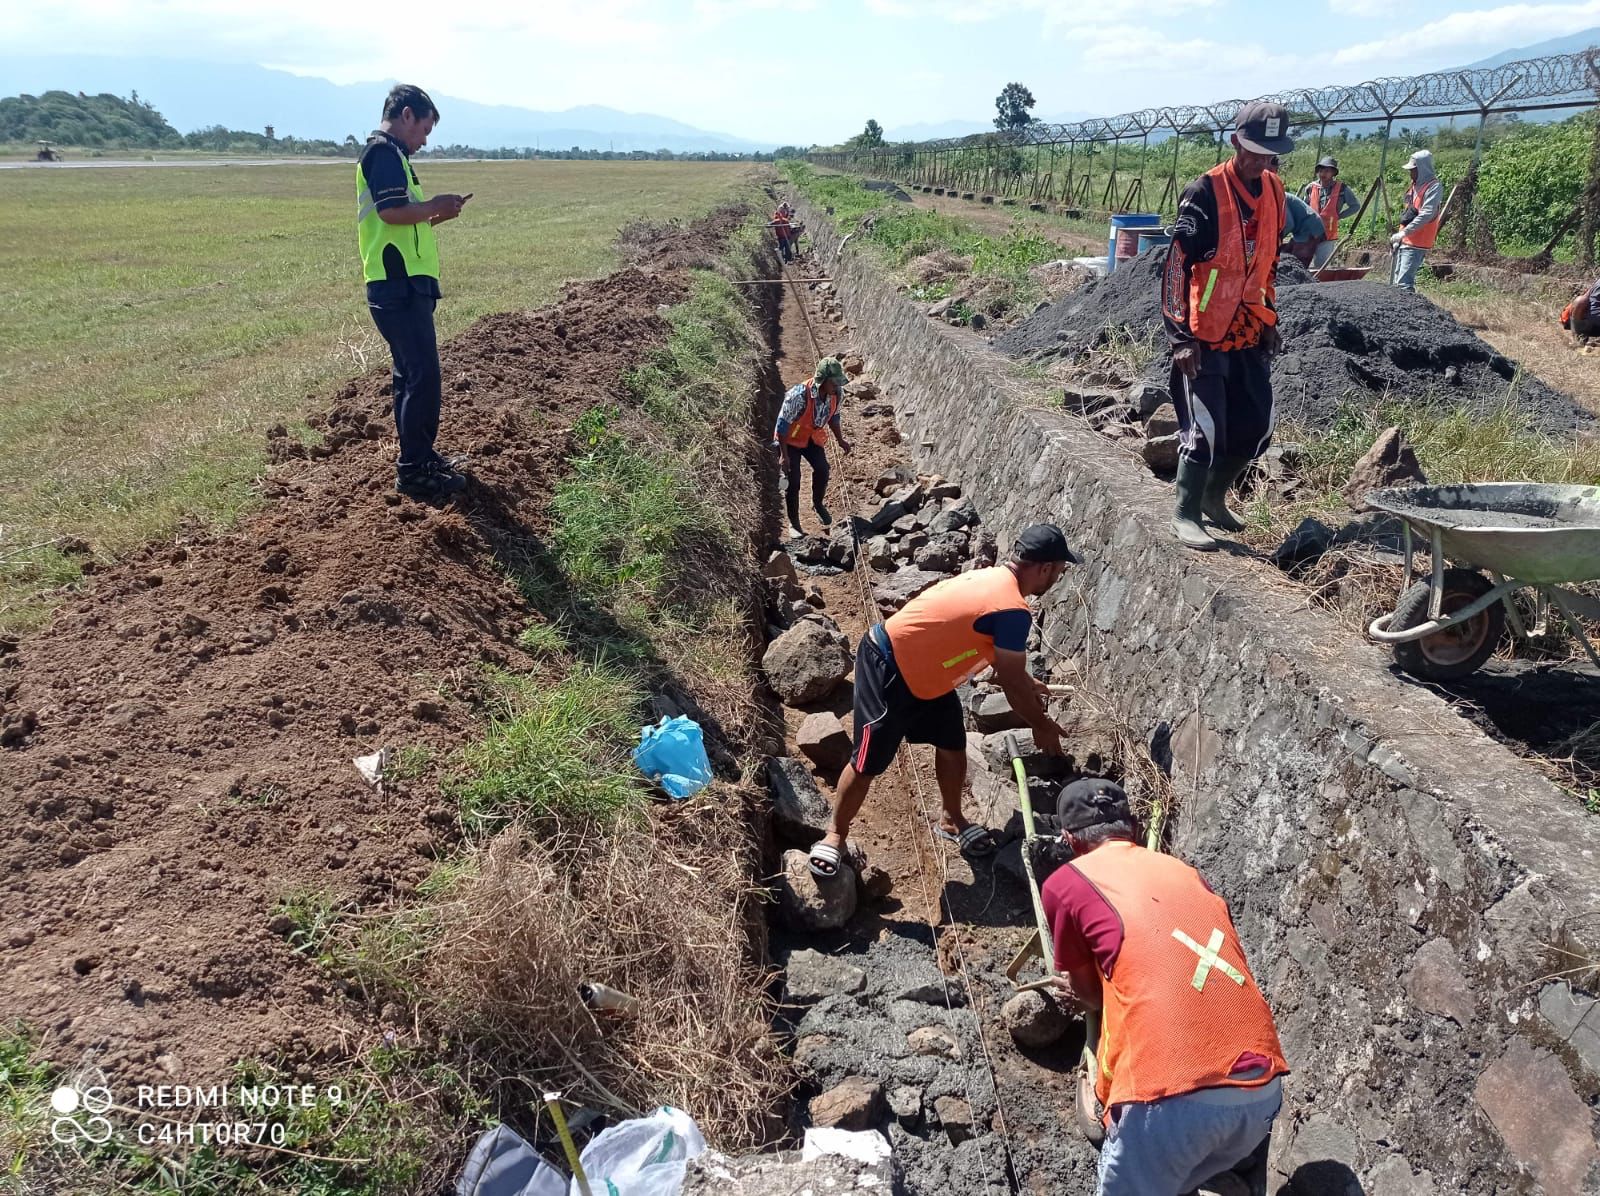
982, 910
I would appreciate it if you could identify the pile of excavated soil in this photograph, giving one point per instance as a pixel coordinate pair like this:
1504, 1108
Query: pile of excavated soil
1343, 342
178, 744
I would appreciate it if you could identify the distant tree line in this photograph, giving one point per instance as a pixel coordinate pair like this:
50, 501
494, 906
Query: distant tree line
111, 122
106, 121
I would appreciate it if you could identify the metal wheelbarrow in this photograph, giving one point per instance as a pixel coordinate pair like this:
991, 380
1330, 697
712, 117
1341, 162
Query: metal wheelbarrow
1503, 537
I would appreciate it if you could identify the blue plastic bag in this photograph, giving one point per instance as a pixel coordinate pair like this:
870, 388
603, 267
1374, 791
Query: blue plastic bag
673, 755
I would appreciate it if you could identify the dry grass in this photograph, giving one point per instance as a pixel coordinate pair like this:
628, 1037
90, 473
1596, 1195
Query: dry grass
1527, 330
663, 910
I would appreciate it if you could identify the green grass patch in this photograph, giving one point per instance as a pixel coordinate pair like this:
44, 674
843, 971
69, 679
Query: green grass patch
368, 1133
625, 517
553, 749
901, 233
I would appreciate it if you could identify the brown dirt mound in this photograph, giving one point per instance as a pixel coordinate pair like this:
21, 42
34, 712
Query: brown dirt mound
178, 749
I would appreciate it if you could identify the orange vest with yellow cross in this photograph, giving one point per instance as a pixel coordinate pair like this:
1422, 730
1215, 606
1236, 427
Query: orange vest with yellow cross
1239, 273
935, 646
1181, 1011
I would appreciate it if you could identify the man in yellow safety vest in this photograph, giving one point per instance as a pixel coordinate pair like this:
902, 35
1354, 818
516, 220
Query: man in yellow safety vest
400, 262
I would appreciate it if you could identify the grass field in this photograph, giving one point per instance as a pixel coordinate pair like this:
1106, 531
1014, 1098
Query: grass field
159, 319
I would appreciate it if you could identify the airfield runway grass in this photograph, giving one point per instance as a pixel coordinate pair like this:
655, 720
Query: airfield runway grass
158, 321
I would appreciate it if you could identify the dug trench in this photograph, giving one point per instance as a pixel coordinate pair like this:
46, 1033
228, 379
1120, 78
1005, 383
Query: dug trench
200, 884
1416, 900
894, 984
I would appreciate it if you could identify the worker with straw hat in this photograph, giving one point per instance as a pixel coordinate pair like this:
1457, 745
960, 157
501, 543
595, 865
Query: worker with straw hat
809, 410
1329, 198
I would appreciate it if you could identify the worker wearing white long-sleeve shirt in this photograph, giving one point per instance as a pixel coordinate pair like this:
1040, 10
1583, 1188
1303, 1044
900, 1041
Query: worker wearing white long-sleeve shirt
1419, 223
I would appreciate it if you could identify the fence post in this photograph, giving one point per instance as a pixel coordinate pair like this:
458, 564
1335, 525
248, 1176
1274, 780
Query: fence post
1588, 227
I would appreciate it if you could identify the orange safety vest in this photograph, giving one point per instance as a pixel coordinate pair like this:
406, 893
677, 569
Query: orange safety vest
806, 430
780, 221
1327, 206
1238, 274
1180, 1008
935, 646
1424, 237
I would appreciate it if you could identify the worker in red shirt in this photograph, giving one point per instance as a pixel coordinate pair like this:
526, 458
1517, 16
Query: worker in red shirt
1188, 1063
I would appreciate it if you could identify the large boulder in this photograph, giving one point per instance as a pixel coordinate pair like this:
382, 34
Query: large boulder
899, 588
855, 1104
959, 514
800, 812
807, 662
811, 975
809, 904
1389, 462
894, 478
997, 755
1160, 453
942, 554
1163, 421
823, 740
1034, 1020
993, 713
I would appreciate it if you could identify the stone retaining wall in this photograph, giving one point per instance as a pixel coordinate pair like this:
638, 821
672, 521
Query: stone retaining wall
1411, 892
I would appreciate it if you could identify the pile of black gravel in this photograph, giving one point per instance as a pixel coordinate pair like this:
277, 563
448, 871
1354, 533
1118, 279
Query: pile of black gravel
1344, 342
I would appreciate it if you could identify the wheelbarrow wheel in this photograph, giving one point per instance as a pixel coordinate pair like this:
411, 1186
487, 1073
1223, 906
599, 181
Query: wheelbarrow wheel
1455, 651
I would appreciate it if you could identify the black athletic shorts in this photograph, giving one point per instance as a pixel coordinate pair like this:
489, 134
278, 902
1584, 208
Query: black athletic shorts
887, 713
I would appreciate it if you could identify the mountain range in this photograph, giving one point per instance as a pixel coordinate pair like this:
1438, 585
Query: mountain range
193, 95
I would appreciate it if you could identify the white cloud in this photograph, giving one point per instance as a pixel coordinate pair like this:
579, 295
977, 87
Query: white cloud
1488, 29
891, 8
715, 12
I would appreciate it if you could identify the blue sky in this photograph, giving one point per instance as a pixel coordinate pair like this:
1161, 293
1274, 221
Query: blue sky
812, 70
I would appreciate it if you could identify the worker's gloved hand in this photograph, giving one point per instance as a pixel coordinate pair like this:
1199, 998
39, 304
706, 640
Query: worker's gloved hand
1397, 238
1186, 358
1271, 339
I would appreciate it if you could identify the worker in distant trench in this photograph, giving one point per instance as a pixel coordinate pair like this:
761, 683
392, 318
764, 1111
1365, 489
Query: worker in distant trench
908, 669
1582, 316
809, 410
1330, 199
1188, 1064
1218, 295
1419, 222
400, 262
788, 232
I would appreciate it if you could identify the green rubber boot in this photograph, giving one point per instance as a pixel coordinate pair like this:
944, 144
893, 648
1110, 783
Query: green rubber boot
1191, 492
1224, 472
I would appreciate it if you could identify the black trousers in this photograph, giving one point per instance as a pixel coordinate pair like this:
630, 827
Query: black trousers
1225, 410
818, 458
406, 322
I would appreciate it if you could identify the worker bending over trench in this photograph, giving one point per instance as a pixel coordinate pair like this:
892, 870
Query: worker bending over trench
1188, 1063
908, 669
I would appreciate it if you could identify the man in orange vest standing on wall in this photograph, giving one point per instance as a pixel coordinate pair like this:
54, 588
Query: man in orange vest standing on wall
908, 669
808, 411
1419, 223
1188, 1061
1329, 198
1218, 296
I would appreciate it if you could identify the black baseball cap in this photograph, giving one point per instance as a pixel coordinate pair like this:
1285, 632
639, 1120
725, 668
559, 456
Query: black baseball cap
1263, 128
1043, 543
1092, 801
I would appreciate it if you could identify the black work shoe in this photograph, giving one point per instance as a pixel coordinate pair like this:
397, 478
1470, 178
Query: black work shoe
825, 515
432, 480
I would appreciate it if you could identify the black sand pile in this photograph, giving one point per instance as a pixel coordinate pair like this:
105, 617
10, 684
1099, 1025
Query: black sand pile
1343, 342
